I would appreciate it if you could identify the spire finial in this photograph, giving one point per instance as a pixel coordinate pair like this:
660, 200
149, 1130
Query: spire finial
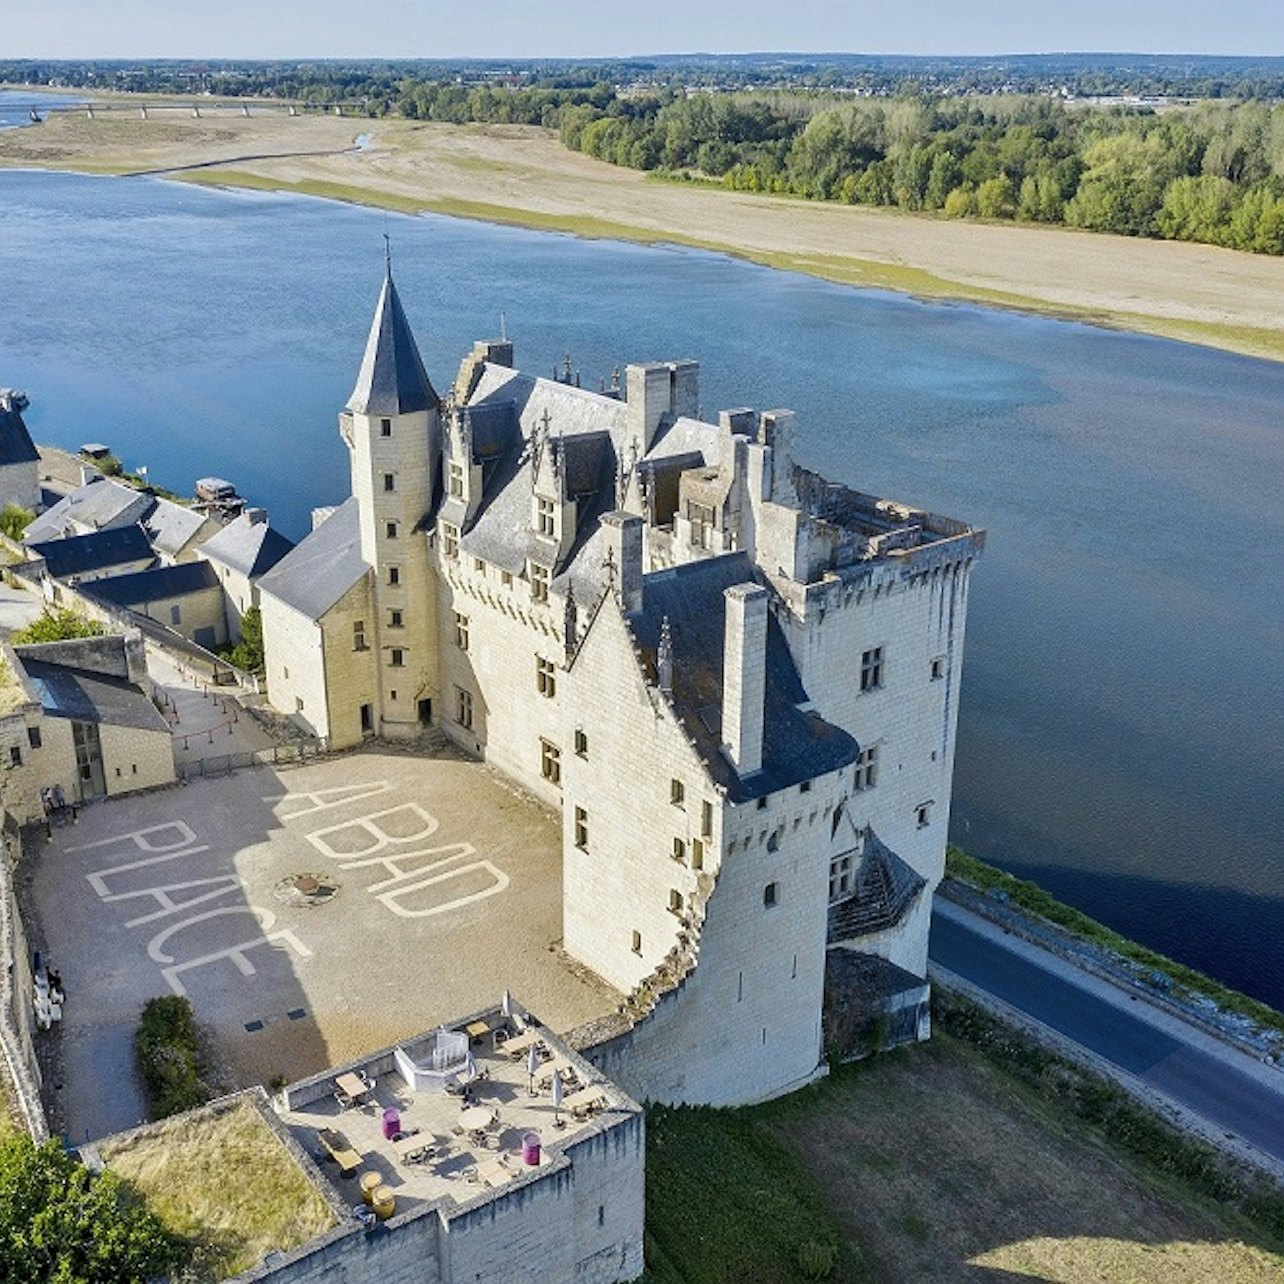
387, 255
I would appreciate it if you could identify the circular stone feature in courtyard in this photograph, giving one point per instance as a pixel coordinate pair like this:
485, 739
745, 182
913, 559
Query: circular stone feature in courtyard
306, 890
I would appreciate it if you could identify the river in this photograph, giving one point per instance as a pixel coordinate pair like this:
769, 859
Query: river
1123, 709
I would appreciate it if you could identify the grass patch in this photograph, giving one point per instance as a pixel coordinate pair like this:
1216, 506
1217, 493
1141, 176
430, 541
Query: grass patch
224, 1182
1186, 1163
954, 1159
1034, 899
726, 1200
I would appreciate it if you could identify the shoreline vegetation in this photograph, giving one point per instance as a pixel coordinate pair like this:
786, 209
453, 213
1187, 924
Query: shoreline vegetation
521, 175
1167, 976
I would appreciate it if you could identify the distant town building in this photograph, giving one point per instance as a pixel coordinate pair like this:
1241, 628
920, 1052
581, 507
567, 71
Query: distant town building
736, 680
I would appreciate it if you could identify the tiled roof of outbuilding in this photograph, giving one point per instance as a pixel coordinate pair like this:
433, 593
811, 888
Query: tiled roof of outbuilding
16, 446
83, 696
170, 526
98, 503
252, 548
160, 582
321, 568
79, 554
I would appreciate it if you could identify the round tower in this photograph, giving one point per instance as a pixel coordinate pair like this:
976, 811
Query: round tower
392, 427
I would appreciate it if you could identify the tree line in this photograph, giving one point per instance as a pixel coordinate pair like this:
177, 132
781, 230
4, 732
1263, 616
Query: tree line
1213, 173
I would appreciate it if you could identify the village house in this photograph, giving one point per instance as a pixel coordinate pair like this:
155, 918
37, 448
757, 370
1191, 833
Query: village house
737, 681
78, 717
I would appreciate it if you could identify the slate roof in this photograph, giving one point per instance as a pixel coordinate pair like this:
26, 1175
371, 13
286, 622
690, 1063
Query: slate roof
16, 446
80, 554
392, 379
321, 568
797, 745
65, 692
171, 526
507, 408
885, 887
99, 504
250, 548
160, 582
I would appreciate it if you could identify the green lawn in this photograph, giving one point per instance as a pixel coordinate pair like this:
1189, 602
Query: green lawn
973, 1157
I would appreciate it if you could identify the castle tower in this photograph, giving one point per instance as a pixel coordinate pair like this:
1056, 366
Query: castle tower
392, 427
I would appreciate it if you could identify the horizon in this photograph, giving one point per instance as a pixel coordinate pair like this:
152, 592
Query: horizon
654, 55
181, 30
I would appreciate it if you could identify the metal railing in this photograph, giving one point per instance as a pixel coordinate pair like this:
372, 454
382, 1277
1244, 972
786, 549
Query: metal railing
291, 753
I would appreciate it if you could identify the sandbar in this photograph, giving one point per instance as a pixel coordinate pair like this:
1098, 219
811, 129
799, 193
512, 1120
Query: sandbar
523, 175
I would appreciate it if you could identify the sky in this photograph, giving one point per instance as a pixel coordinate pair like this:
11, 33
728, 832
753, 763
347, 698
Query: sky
608, 28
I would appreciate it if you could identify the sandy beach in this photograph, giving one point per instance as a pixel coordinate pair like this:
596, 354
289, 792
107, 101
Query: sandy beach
523, 175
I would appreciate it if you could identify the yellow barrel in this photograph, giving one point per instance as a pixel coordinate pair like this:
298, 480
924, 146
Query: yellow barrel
384, 1202
370, 1182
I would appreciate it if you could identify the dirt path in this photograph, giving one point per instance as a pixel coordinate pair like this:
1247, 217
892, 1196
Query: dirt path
523, 175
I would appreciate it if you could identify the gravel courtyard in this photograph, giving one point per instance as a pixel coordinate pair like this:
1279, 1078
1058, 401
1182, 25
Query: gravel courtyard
309, 913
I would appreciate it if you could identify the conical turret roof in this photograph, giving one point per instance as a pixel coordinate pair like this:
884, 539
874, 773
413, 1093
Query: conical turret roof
392, 380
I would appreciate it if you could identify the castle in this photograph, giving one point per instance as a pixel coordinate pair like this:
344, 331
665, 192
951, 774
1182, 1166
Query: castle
737, 681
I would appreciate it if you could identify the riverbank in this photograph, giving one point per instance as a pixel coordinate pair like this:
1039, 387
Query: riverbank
522, 175
1024, 907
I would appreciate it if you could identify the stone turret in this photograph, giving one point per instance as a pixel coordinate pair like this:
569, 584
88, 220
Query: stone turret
392, 426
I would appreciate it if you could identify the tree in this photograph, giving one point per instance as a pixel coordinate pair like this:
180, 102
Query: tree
167, 1045
1197, 209
63, 1225
14, 519
961, 202
58, 625
247, 654
996, 198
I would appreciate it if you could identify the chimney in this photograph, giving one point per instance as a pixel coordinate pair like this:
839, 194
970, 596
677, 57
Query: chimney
778, 428
623, 533
657, 394
256, 516
647, 393
744, 676
136, 657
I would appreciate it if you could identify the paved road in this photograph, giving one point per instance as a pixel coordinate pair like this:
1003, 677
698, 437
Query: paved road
1229, 1089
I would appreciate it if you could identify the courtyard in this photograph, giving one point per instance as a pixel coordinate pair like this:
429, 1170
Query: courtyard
309, 913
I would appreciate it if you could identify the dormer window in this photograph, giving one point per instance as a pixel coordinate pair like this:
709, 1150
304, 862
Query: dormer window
544, 517
456, 481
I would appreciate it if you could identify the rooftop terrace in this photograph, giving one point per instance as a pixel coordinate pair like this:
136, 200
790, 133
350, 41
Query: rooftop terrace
442, 1144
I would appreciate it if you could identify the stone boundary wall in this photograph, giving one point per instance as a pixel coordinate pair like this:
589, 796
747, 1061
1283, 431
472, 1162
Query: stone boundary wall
177, 648
16, 997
